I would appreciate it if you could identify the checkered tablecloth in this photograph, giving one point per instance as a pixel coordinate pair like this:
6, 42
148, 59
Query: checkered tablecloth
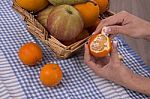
20, 81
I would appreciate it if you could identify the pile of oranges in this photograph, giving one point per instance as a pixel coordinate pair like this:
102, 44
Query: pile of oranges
89, 11
30, 54
100, 44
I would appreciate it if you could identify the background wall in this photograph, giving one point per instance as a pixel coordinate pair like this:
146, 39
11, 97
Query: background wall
140, 8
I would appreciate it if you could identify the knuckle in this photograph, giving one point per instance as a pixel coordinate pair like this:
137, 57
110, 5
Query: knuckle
116, 29
124, 12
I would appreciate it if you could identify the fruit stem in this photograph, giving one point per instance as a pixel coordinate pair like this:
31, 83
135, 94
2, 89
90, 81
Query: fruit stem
69, 11
94, 2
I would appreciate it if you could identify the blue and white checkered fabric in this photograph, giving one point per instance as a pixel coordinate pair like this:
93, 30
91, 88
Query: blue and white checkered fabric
20, 81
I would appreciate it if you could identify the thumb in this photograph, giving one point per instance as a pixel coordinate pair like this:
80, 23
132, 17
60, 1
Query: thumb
114, 29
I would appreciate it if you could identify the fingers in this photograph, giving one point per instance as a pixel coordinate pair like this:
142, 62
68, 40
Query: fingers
114, 53
87, 56
87, 60
103, 61
86, 53
117, 19
115, 29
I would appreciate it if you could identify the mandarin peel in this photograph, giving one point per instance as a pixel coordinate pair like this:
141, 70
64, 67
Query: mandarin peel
100, 45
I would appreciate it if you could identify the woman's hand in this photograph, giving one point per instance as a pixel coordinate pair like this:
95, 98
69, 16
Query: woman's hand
113, 69
110, 68
126, 23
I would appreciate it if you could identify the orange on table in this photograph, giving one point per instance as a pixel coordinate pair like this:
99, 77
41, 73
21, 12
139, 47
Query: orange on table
30, 53
51, 74
33, 5
100, 45
89, 12
103, 5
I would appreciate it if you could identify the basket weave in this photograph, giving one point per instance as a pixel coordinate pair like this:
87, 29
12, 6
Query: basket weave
59, 49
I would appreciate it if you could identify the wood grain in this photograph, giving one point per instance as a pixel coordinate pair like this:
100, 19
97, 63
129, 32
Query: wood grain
140, 8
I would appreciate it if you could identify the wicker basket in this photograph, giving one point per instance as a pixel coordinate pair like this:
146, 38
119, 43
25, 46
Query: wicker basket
59, 49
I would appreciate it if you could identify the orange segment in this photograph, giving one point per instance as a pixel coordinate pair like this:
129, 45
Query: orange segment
102, 38
99, 45
96, 45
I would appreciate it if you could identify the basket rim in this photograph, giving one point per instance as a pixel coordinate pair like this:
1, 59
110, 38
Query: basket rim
35, 26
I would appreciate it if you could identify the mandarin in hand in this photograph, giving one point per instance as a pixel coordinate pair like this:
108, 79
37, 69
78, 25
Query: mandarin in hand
30, 53
51, 74
100, 45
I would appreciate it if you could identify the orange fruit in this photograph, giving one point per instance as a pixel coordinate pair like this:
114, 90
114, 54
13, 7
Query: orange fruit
99, 45
30, 53
89, 12
103, 5
33, 5
51, 74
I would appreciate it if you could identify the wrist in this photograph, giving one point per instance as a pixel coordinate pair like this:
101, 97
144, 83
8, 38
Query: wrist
137, 83
127, 77
147, 31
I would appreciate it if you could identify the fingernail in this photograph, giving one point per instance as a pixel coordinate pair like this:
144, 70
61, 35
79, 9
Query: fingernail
85, 44
115, 42
94, 33
106, 30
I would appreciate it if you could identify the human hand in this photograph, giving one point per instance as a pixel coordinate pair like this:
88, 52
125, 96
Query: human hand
125, 23
113, 69
109, 67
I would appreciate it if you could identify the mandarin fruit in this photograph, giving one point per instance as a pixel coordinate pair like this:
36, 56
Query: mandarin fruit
89, 12
51, 74
103, 5
100, 45
33, 5
30, 53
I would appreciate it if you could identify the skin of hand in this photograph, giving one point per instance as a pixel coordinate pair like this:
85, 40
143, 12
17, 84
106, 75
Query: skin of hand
125, 23
113, 69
